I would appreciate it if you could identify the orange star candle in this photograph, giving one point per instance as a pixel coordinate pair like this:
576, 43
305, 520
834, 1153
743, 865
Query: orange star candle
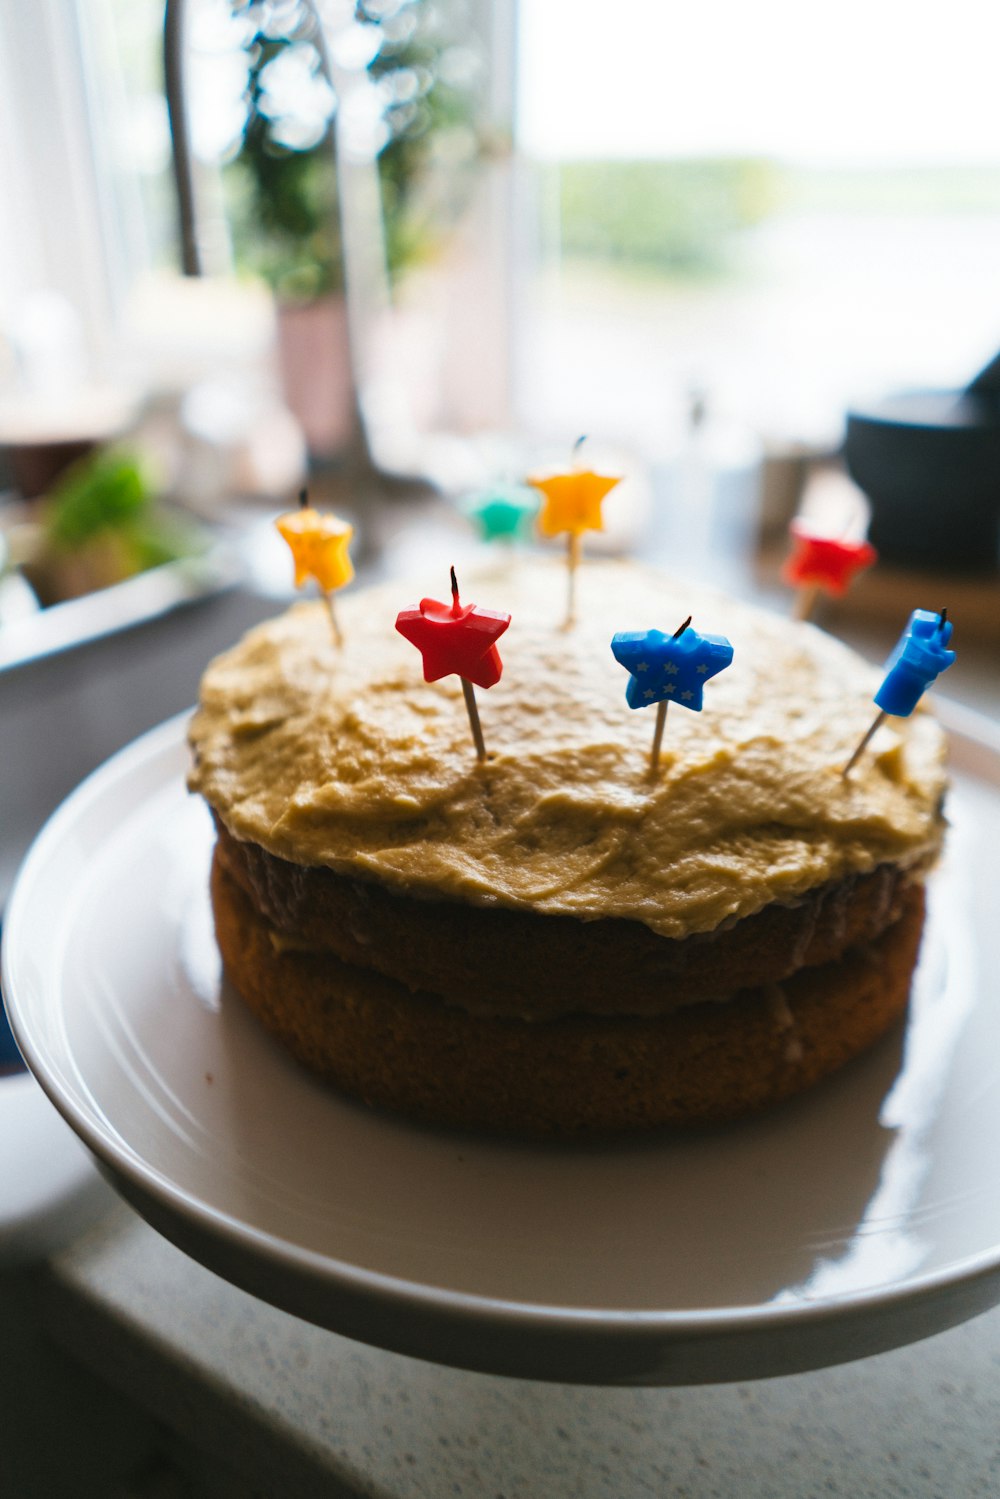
318, 544
571, 504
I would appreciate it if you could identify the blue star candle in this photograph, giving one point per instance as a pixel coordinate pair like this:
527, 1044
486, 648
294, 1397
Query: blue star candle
669, 669
920, 656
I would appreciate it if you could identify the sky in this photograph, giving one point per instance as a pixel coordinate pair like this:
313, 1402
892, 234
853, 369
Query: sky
856, 82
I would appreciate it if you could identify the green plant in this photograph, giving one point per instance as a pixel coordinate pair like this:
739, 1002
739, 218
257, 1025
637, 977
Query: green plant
109, 494
282, 182
100, 523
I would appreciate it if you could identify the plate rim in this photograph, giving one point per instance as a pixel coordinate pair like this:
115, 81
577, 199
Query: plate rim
166, 742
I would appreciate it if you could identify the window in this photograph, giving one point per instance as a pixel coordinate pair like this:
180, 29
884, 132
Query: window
771, 208
785, 206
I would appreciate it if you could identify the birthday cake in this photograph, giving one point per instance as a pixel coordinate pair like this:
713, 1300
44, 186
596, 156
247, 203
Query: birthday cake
562, 939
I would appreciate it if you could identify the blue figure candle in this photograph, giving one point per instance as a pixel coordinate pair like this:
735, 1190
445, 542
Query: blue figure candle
920, 656
668, 669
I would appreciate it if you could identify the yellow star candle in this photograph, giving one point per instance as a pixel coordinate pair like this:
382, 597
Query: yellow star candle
571, 504
318, 544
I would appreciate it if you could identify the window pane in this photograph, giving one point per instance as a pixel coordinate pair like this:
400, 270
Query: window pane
788, 206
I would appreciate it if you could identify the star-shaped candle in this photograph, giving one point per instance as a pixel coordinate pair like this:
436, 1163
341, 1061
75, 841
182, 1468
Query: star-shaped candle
823, 563
318, 544
457, 639
920, 655
571, 504
669, 669
505, 512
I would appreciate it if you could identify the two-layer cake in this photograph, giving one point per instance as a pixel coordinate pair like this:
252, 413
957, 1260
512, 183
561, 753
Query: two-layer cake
558, 941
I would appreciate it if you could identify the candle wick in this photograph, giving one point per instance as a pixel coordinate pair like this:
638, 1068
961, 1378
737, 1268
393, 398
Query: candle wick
942, 618
579, 443
678, 633
303, 499
455, 605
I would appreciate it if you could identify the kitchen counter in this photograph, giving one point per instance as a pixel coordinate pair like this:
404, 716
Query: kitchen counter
272, 1406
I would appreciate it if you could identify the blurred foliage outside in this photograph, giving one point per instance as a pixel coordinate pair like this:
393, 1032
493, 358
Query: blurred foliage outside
281, 184
684, 219
670, 216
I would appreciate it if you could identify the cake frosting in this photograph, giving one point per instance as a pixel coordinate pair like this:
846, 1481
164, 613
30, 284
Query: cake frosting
346, 758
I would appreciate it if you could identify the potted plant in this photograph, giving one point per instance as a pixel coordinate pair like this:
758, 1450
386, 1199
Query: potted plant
282, 185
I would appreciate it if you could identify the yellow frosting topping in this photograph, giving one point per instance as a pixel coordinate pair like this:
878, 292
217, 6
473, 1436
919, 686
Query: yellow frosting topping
349, 759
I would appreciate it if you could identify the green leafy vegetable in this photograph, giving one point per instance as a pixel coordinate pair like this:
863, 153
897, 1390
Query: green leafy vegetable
108, 491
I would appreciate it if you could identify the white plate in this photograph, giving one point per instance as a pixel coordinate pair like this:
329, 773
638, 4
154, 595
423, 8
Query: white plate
864, 1215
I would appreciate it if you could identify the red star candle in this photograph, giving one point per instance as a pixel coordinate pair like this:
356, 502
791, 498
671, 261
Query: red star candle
457, 639
823, 563
571, 503
318, 544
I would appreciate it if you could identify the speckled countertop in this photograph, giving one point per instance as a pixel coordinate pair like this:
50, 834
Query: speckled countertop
292, 1411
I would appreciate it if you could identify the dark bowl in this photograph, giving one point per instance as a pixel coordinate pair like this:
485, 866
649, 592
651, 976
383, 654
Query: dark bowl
929, 464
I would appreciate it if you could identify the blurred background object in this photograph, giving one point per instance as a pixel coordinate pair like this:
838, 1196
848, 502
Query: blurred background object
99, 524
327, 92
343, 154
439, 239
929, 462
580, 221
